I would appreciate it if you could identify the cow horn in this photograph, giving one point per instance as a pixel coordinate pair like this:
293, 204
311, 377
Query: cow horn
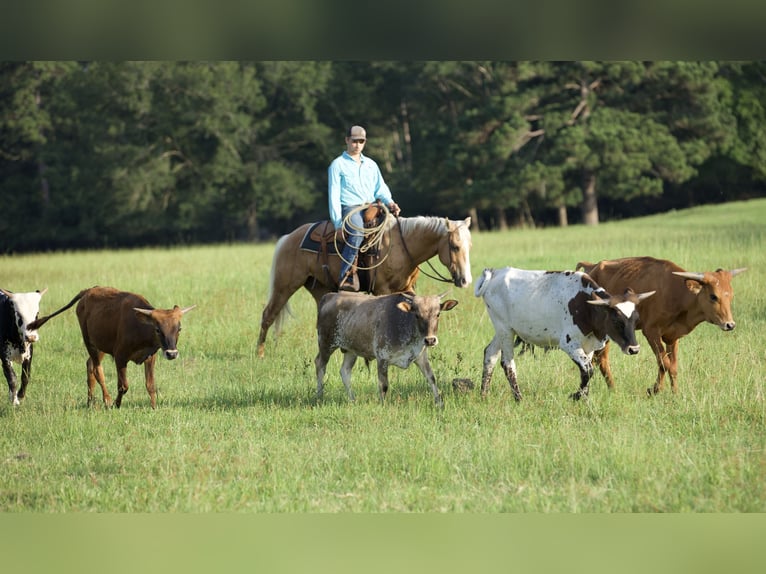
598, 300
147, 312
187, 309
43, 292
700, 277
737, 271
642, 296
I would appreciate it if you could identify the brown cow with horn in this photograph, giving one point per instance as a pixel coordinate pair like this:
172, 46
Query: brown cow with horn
683, 301
127, 327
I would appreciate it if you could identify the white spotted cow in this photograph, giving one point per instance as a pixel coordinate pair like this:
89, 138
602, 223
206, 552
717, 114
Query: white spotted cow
392, 329
564, 309
17, 311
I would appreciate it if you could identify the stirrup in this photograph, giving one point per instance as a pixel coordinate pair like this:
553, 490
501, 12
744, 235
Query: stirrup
350, 283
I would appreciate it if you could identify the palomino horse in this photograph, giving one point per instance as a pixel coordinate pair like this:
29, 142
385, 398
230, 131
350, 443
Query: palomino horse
409, 242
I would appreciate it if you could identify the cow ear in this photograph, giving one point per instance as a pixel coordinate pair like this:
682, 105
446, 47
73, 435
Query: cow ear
448, 304
404, 306
694, 281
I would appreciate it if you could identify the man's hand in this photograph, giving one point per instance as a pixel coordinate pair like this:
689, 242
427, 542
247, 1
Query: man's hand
394, 209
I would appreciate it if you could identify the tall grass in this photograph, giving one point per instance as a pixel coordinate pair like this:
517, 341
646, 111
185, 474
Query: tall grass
236, 433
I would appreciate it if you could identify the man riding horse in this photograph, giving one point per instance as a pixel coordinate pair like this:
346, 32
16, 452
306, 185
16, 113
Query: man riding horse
354, 180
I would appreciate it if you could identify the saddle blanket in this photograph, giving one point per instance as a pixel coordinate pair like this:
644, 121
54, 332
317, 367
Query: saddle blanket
310, 243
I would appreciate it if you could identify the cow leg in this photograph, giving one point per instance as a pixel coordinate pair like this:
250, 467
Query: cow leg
509, 364
671, 361
663, 361
586, 373
428, 373
382, 379
320, 362
10, 376
151, 388
95, 372
601, 358
122, 380
491, 355
349, 359
321, 365
26, 371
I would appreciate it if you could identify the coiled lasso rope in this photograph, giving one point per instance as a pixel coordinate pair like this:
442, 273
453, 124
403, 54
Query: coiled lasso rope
375, 234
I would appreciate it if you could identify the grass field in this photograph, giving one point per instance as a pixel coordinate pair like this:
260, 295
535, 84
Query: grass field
236, 433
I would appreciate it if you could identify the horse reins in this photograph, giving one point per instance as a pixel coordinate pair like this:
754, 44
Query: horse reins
437, 276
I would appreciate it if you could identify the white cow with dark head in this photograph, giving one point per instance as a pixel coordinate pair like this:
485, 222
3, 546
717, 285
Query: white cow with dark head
17, 311
564, 309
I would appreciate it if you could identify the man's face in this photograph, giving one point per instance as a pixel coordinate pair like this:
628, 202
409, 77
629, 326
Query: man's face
355, 145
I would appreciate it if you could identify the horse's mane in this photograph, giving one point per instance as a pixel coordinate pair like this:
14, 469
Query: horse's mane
435, 224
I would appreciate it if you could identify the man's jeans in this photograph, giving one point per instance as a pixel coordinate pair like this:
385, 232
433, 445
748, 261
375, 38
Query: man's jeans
353, 238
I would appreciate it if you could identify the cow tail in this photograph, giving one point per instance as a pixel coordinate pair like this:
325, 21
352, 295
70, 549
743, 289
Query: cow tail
37, 323
279, 320
482, 282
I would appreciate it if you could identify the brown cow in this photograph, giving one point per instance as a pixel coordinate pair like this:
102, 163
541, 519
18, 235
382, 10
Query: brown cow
683, 301
127, 327
392, 329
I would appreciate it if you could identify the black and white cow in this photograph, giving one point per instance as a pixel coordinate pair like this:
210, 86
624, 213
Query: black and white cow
564, 309
17, 311
392, 329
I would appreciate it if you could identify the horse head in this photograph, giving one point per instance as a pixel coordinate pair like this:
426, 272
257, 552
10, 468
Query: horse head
454, 250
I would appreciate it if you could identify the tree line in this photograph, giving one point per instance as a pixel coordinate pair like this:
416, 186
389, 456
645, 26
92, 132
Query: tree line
111, 154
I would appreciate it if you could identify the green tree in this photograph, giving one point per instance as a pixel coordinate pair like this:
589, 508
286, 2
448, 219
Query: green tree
26, 91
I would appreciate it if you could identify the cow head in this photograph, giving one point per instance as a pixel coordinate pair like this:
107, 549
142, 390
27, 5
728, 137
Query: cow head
167, 324
26, 307
714, 294
621, 317
426, 311
454, 251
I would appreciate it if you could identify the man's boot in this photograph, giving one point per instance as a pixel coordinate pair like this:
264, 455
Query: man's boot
351, 281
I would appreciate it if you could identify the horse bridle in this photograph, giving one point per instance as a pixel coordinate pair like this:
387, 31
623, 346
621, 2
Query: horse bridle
437, 276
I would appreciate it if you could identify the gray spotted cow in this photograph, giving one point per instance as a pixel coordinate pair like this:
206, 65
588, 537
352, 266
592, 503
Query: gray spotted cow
392, 329
564, 309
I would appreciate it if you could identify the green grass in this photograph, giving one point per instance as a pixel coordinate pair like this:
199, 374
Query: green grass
236, 433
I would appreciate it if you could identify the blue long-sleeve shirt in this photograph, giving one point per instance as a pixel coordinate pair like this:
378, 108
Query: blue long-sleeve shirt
351, 183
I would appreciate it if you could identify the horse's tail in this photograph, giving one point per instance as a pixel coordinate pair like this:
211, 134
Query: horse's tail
279, 320
37, 323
